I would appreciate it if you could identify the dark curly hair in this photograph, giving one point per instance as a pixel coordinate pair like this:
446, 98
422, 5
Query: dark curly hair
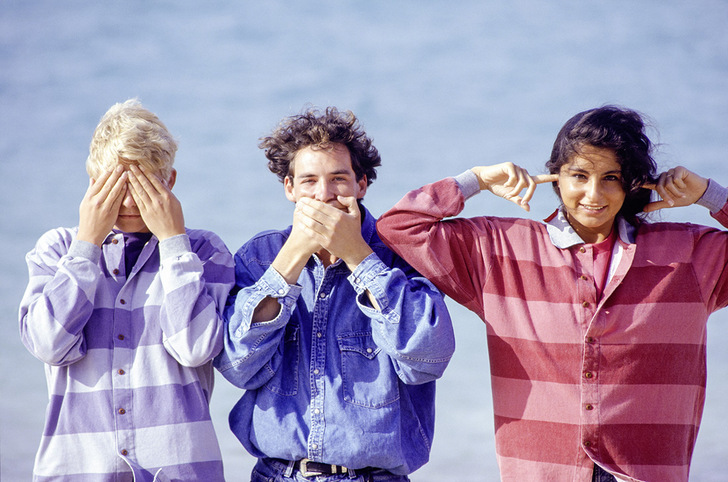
623, 131
313, 128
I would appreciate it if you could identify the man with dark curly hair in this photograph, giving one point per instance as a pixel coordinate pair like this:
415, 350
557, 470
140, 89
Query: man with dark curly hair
336, 340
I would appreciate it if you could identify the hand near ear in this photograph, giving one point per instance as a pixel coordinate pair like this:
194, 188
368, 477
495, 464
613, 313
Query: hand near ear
507, 180
677, 187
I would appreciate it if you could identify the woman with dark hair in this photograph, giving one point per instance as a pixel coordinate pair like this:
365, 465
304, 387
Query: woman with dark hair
596, 318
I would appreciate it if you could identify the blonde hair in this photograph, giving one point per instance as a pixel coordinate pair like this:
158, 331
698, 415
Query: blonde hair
129, 133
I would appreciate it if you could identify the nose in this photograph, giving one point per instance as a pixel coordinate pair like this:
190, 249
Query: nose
594, 189
128, 201
324, 191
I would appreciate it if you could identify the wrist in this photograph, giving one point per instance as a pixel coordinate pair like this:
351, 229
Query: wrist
354, 259
93, 238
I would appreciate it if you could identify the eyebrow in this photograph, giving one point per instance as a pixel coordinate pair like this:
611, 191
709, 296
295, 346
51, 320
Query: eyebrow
332, 173
579, 169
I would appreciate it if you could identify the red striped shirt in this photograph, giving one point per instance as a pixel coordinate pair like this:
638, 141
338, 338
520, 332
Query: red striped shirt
578, 378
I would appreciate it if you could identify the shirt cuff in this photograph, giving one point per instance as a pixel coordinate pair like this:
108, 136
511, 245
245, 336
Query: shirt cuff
274, 285
84, 249
363, 276
714, 198
174, 246
469, 184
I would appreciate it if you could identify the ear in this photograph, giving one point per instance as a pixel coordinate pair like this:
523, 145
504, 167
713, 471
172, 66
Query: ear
288, 188
362, 183
172, 179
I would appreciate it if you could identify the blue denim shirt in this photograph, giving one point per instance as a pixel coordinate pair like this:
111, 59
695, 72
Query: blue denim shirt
331, 378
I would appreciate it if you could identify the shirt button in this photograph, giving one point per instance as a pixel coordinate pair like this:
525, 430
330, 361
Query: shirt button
582, 249
116, 271
124, 452
120, 337
316, 371
589, 406
585, 304
122, 411
588, 375
319, 335
317, 411
115, 241
583, 277
122, 301
121, 371
281, 292
314, 446
587, 444
322, 295
590, 339
369, 350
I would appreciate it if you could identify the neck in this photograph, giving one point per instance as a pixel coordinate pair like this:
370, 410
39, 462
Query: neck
326, 258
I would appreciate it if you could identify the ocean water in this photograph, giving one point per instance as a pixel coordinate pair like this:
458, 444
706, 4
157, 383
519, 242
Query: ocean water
440, 86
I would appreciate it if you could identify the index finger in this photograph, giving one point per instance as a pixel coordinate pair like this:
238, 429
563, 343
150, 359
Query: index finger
149, 181
542, 178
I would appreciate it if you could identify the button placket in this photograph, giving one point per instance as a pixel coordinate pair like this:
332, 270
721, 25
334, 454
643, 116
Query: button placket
318, 360
590, 393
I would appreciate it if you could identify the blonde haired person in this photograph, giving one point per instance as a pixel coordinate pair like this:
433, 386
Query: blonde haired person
124, 310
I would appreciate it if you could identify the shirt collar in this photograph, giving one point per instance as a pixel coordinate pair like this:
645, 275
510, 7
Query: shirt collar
563, 236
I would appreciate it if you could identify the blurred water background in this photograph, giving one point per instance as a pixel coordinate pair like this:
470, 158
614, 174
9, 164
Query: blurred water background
440, 86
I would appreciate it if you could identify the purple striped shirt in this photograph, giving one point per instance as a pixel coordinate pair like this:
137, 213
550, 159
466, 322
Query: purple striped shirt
128, 355
578, 378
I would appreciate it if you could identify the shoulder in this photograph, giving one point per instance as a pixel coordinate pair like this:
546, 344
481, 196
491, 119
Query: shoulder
264, 246
56, 239
201, 238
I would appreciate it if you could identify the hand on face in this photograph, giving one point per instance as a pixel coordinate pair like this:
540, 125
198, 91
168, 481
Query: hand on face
507, 180
338, 231
677, 187
159, 208
99, 208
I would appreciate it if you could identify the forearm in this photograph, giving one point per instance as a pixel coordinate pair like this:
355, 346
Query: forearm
251, 351
410, 321
451, 253
58, 302
715, 199
194, 296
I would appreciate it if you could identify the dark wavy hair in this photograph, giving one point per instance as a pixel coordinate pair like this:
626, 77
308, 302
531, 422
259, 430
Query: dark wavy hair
623, 131
317, 129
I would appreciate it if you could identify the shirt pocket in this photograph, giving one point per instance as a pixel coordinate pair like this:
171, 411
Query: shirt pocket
368, 377
285, 380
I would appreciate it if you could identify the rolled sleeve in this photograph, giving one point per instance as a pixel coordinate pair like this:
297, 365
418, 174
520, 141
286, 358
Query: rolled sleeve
714, 197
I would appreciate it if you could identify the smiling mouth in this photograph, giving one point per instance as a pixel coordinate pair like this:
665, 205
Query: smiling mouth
593, 209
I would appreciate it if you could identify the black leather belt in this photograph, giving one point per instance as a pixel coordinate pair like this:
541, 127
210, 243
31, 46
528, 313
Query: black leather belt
309, 468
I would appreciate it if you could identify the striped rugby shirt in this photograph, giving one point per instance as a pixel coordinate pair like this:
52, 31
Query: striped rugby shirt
128, 357
617, 380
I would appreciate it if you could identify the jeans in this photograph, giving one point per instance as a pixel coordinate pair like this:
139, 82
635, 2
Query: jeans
269, 470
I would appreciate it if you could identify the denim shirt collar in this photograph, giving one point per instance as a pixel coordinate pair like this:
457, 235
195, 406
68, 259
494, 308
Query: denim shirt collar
563, 236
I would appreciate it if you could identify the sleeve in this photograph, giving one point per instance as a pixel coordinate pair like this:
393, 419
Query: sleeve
451, 253
251, 354
59, 299
412, 324
711, 254
196, 279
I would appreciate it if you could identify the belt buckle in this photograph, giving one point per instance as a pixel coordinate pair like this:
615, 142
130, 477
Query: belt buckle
303, 464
